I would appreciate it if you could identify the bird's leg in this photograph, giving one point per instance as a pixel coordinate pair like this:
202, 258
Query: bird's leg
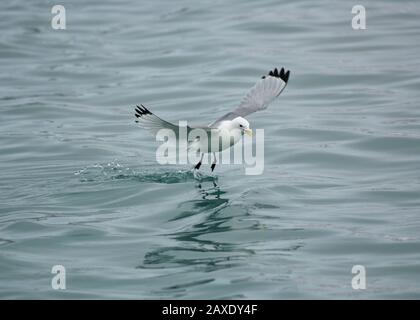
213, 165
198, 165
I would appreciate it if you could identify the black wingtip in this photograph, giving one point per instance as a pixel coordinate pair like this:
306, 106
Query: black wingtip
286, 76
282, 74
141, 111
146, 111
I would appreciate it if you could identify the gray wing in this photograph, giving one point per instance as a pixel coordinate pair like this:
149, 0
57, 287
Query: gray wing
151, 122
259, 96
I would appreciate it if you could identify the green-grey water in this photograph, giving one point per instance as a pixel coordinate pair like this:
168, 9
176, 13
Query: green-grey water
80, 185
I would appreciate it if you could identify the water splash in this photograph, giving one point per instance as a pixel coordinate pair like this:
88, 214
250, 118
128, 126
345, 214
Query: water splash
116, 171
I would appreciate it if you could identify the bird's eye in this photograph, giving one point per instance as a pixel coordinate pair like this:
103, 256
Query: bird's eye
240, 126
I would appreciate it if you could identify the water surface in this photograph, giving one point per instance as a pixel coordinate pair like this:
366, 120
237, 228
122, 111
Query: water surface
80, 185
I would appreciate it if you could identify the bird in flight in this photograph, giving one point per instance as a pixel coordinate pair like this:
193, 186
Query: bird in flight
232, 123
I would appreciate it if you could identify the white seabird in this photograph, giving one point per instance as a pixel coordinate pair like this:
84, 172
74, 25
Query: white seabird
232, 123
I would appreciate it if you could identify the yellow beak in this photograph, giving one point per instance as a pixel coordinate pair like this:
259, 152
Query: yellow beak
248, 132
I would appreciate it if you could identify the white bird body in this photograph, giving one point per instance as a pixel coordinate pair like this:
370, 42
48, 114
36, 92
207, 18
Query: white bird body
227, 133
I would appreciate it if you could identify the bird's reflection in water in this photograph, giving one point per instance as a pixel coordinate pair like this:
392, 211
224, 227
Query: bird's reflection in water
206, 192
200, 244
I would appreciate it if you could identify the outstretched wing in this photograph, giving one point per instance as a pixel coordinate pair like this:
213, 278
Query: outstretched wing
259, 96
151, 122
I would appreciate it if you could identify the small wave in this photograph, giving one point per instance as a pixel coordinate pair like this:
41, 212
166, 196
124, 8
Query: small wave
115, 171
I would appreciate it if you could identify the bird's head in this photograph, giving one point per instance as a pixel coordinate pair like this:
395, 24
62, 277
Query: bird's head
241, 124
